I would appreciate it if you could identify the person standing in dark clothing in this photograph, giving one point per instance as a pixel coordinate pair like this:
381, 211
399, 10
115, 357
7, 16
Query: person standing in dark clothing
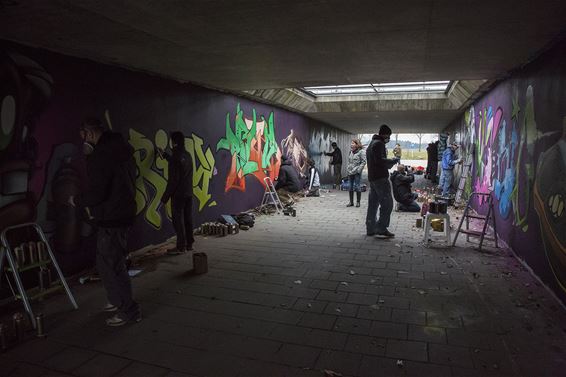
380, 188
109, 202
180, 191
402, 190
432, 163
336, 161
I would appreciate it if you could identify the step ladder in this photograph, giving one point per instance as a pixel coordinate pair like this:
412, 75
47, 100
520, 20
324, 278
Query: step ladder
270, 196
462, 183
15, 268
490, 216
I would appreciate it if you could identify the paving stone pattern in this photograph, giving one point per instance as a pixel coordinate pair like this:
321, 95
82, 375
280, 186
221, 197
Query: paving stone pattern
297, 295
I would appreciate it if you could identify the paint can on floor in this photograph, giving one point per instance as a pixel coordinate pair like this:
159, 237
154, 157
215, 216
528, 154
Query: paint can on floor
200, 263
18, 321
419, 223
39, 324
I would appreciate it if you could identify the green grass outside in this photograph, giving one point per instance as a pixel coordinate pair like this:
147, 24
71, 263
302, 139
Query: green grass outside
410, 154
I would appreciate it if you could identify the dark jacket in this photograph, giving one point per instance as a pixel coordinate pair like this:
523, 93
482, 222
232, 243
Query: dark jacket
336, 156
288, 177
180, 181
111, 193
378, 163
402, 187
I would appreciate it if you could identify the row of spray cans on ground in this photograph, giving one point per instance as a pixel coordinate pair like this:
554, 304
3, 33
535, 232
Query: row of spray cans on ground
218, 229
17, 333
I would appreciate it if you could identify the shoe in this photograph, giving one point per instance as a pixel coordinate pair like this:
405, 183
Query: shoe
175, 251
190, 248
385, 233
109, 308
350, 205
118, 320
358, 204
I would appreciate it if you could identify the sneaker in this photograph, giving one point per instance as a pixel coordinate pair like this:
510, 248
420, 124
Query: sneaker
357, 204
385, 233
109, 308
350, 205
175, 251
118, 320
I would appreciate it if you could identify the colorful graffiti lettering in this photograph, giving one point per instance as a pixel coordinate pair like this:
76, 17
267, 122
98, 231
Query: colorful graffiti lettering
153, 171
253, 148
294, 149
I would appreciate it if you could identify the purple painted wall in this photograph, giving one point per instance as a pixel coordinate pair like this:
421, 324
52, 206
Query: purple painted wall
517, 137
44, 97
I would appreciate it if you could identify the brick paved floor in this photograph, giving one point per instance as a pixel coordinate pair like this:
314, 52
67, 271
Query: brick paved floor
294, 296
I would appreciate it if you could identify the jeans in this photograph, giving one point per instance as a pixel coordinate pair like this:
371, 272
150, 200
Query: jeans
379, 197
446, 181
410, 207
111, 256
355, 181
182, 214
338, 175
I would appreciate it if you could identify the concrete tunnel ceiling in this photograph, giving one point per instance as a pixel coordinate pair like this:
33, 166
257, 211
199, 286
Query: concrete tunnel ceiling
258, 44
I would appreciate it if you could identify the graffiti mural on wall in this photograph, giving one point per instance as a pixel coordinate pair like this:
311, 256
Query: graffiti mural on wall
153, 173
550, 205
25, 89
321, 141
253, 148
295, 151
504, 156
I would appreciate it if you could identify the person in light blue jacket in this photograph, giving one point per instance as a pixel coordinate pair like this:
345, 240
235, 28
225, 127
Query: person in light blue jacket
449, 160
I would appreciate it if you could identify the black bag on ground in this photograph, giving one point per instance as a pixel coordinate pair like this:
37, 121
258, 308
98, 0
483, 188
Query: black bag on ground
245, 219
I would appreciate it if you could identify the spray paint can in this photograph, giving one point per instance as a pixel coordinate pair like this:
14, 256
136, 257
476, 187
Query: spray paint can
42, 251
236, 228
33, 256
3, 341
205, 228
40, 326
18, 321
294, 212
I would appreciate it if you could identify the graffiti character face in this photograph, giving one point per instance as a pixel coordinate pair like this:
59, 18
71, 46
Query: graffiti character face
549, 194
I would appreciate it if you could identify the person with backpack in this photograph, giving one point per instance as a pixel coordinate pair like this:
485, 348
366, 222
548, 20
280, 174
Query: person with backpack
109, 202
356, 164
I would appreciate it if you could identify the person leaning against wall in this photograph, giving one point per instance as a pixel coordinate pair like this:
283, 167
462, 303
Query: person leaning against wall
336, 162
356, 164
180, 191
109, 202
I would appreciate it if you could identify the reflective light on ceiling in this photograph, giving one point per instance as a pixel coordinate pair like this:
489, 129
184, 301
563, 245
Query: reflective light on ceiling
385, 88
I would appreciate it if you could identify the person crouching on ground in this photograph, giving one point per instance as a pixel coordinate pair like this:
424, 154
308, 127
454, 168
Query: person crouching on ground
380, 188
312, 183
180, 191
356, 164
449, 160
288, 182
401, 181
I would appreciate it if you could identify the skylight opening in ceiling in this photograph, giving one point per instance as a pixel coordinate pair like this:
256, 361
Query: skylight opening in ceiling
386, 88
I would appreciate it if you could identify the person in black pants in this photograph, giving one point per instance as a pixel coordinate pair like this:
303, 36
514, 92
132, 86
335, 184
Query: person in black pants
180, 191
336, 161
109, 203
402, 190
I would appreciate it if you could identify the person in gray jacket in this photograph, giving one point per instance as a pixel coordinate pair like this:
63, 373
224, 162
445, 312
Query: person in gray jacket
356, 164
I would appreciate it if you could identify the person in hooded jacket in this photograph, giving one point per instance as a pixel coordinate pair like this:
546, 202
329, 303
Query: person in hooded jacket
288, 181
109, 202
356, 164
179, 190
402, 190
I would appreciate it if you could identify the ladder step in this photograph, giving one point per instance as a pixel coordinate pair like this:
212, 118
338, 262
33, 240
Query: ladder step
481, 217
475, 233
